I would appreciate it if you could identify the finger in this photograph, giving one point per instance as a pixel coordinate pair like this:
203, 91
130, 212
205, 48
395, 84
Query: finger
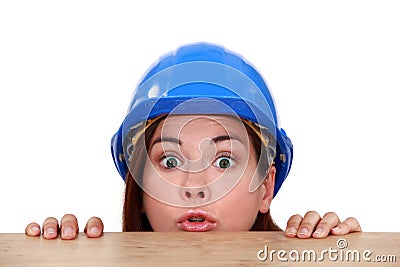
69, 226
293, 225
349, 225
94, 227
307, 226
50, 228
329, 221
32, 229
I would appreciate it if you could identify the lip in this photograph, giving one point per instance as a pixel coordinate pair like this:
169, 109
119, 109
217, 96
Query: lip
209, 223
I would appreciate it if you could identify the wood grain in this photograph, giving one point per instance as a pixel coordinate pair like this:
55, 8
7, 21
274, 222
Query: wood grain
193, 249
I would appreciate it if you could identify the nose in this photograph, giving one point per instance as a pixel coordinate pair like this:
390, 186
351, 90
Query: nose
194, 193
196, 190
195, 196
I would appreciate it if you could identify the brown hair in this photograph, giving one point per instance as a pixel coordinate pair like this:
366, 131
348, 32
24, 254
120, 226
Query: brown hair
134, 219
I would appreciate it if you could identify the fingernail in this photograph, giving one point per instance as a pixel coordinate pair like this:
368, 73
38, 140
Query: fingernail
94, 231
291, 230
68, 231
337, 228
318, 231
35, 229
303, 231
50, 231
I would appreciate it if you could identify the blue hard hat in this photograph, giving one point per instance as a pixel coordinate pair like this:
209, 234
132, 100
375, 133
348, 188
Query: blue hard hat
204, 78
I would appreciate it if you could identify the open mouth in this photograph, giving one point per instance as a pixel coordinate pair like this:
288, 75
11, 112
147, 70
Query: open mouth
197, 221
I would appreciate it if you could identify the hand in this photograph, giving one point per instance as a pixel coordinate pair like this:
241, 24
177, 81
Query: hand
68, 228
312, 225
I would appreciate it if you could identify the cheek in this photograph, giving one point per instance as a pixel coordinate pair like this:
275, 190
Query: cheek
239, 209
156, 212
241, 206
159, 214
159, 187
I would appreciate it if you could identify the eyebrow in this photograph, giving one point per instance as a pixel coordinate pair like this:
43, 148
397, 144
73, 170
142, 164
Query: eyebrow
222, 138
167, 139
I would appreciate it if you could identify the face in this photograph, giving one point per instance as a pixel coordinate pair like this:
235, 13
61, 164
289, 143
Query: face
198, 174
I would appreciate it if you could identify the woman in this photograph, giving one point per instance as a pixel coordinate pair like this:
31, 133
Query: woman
201, 150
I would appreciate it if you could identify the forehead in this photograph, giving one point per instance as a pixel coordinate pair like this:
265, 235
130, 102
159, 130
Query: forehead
201, 124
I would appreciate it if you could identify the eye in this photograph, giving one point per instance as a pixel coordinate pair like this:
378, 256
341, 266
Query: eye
170, 162
224, 162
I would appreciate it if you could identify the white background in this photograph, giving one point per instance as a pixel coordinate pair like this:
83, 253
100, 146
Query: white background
68, 69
